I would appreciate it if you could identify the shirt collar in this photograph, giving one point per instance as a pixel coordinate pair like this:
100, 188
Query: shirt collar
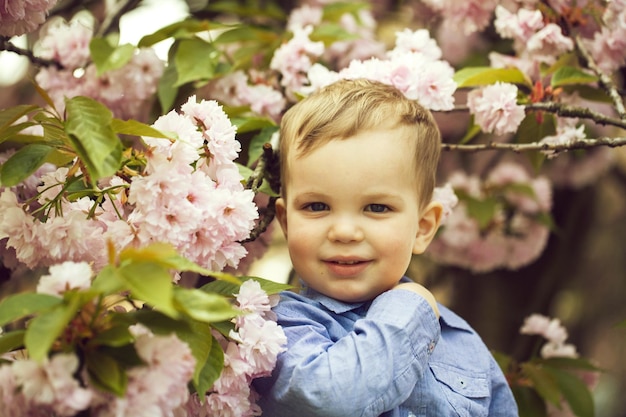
336, 306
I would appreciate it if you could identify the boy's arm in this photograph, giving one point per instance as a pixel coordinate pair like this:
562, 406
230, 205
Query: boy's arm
370, 370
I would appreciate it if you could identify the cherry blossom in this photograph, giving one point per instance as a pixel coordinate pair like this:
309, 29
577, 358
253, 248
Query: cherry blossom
495, 108
18, 17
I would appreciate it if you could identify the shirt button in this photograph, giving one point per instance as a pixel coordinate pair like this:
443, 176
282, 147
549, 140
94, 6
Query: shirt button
431, 347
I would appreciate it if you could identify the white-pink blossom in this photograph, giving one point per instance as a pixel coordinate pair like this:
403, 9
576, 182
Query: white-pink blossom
448, 199
495, 108
469, 16
65, 42
18, 17
52, 383
293, 59
548, 44
65, 276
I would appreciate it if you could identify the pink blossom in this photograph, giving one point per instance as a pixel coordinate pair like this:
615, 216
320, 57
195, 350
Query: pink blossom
418, 42
556, 350
293, 59
251, 298
564, 136
495, 108
305, 15
66, 43
521, 26
18, 17
52, 383
570, 170
260, 343
548, 43
469, 16
65, 276
448, 199
159, 387
554, 333
607, 48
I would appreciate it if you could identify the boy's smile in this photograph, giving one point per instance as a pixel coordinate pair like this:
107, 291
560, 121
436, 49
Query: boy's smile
351, 214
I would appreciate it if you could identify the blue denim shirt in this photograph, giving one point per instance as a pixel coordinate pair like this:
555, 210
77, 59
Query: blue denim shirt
388, 357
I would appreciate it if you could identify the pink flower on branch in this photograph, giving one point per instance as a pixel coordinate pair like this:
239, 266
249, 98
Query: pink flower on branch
495, 108
18, 17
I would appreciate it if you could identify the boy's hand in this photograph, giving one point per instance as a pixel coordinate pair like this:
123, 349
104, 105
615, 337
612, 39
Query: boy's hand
421, 290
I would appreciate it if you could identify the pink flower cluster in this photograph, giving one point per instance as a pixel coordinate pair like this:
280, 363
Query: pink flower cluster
469, 16
533, 39
294, 58
235, 89
18, 17
249, 353
124, 91
495, 108
157, 389
413, 66
608, 44
514, 234
554, 333
190, 195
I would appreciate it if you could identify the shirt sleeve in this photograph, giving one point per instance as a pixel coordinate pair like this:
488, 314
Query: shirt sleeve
365, 372
503, 402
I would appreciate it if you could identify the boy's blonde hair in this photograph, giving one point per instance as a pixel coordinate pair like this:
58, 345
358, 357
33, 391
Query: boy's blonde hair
348, 107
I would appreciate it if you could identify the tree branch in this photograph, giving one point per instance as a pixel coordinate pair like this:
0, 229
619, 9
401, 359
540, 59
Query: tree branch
6, 45
564, 110
605, 80
112, 19
536, 146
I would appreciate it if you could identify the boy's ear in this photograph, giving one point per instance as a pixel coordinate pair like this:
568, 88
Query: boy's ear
428, 225
281, 215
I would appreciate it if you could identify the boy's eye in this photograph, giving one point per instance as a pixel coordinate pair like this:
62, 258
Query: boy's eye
316, 207
377, 208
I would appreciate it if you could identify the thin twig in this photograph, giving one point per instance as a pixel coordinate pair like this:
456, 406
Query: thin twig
564, 110
536, 146
605, 80
112, 18
7, 45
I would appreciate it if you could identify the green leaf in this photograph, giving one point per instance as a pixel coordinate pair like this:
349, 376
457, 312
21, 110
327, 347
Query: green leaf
195, 60
151, 283
106, 372
334, 11
203, 306
10, 115
179, 30
255, 149
108, 281
88, 125
479, 76
11, 340
250, 124
210, 369
115, 336
109, 57
44, 329
136, 128
529, 403
248, 9
330, 33
21, 305
23, 163
571, 364
200, 340
574, 391
481, 210
164, 255
571, 75
166, 91
229, 289
543, 381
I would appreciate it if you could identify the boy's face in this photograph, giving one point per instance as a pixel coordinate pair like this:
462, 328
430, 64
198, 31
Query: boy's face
351, 214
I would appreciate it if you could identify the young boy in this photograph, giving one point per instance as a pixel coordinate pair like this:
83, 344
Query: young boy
358, 163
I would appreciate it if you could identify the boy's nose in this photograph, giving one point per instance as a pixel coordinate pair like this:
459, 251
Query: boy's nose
345, 231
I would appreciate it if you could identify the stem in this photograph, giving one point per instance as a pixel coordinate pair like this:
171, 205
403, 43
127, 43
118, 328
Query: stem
7, 45
605, 81
536, 146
